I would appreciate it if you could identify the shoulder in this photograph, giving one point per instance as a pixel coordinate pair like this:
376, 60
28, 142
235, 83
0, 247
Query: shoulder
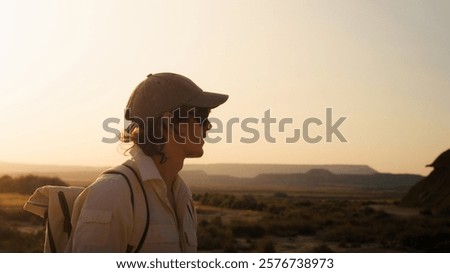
107, 191
109, 183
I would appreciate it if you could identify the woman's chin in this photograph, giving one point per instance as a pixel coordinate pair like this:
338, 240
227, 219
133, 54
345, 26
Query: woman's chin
195, 154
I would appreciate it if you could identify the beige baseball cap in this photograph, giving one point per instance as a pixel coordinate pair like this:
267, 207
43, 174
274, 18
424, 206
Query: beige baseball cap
164, 92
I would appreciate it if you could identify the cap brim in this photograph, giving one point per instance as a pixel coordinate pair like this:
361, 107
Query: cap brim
208, 100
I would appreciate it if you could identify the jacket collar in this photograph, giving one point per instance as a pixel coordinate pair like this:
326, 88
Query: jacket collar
145, 164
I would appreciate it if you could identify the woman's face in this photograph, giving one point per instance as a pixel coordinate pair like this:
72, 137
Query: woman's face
195, 137
193, 131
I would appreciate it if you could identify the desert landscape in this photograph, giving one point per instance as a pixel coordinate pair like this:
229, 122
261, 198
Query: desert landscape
290, 208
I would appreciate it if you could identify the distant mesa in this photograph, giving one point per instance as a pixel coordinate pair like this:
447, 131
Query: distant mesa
84, 173
319, 172
345, 179
251, 177
252, 170
432, 192
314, 180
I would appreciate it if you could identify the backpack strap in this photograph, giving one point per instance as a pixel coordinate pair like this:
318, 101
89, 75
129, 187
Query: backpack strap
67, 225
124, 170
128, 183
51, 240
66, 212
147, 222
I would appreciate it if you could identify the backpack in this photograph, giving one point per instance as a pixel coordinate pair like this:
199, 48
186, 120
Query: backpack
55, 205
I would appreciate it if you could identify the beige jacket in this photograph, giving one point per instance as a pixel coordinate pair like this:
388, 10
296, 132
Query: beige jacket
103, 219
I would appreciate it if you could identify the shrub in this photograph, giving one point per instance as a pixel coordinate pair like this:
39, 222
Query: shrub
27, 184
251, 230
20, 216
286, 228
323, 248
14, 241
266, 246
427, 242
214, 235
280, 195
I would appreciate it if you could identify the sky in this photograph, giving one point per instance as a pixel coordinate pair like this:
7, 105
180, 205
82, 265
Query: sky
381, 66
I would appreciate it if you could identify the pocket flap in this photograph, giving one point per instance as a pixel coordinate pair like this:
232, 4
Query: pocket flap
191, 237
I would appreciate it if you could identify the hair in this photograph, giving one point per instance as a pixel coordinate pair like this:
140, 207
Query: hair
148, 135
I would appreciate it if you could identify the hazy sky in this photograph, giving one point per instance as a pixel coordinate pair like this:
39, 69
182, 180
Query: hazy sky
66, 66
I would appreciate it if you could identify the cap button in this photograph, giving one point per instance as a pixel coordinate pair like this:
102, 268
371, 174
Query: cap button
149, 75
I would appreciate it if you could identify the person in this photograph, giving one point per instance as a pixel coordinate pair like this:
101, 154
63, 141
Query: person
168, 114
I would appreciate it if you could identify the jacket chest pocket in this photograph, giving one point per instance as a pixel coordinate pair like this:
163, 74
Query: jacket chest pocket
95, 226
191, 241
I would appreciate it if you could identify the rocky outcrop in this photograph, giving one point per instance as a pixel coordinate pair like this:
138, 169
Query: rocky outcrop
432, 192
